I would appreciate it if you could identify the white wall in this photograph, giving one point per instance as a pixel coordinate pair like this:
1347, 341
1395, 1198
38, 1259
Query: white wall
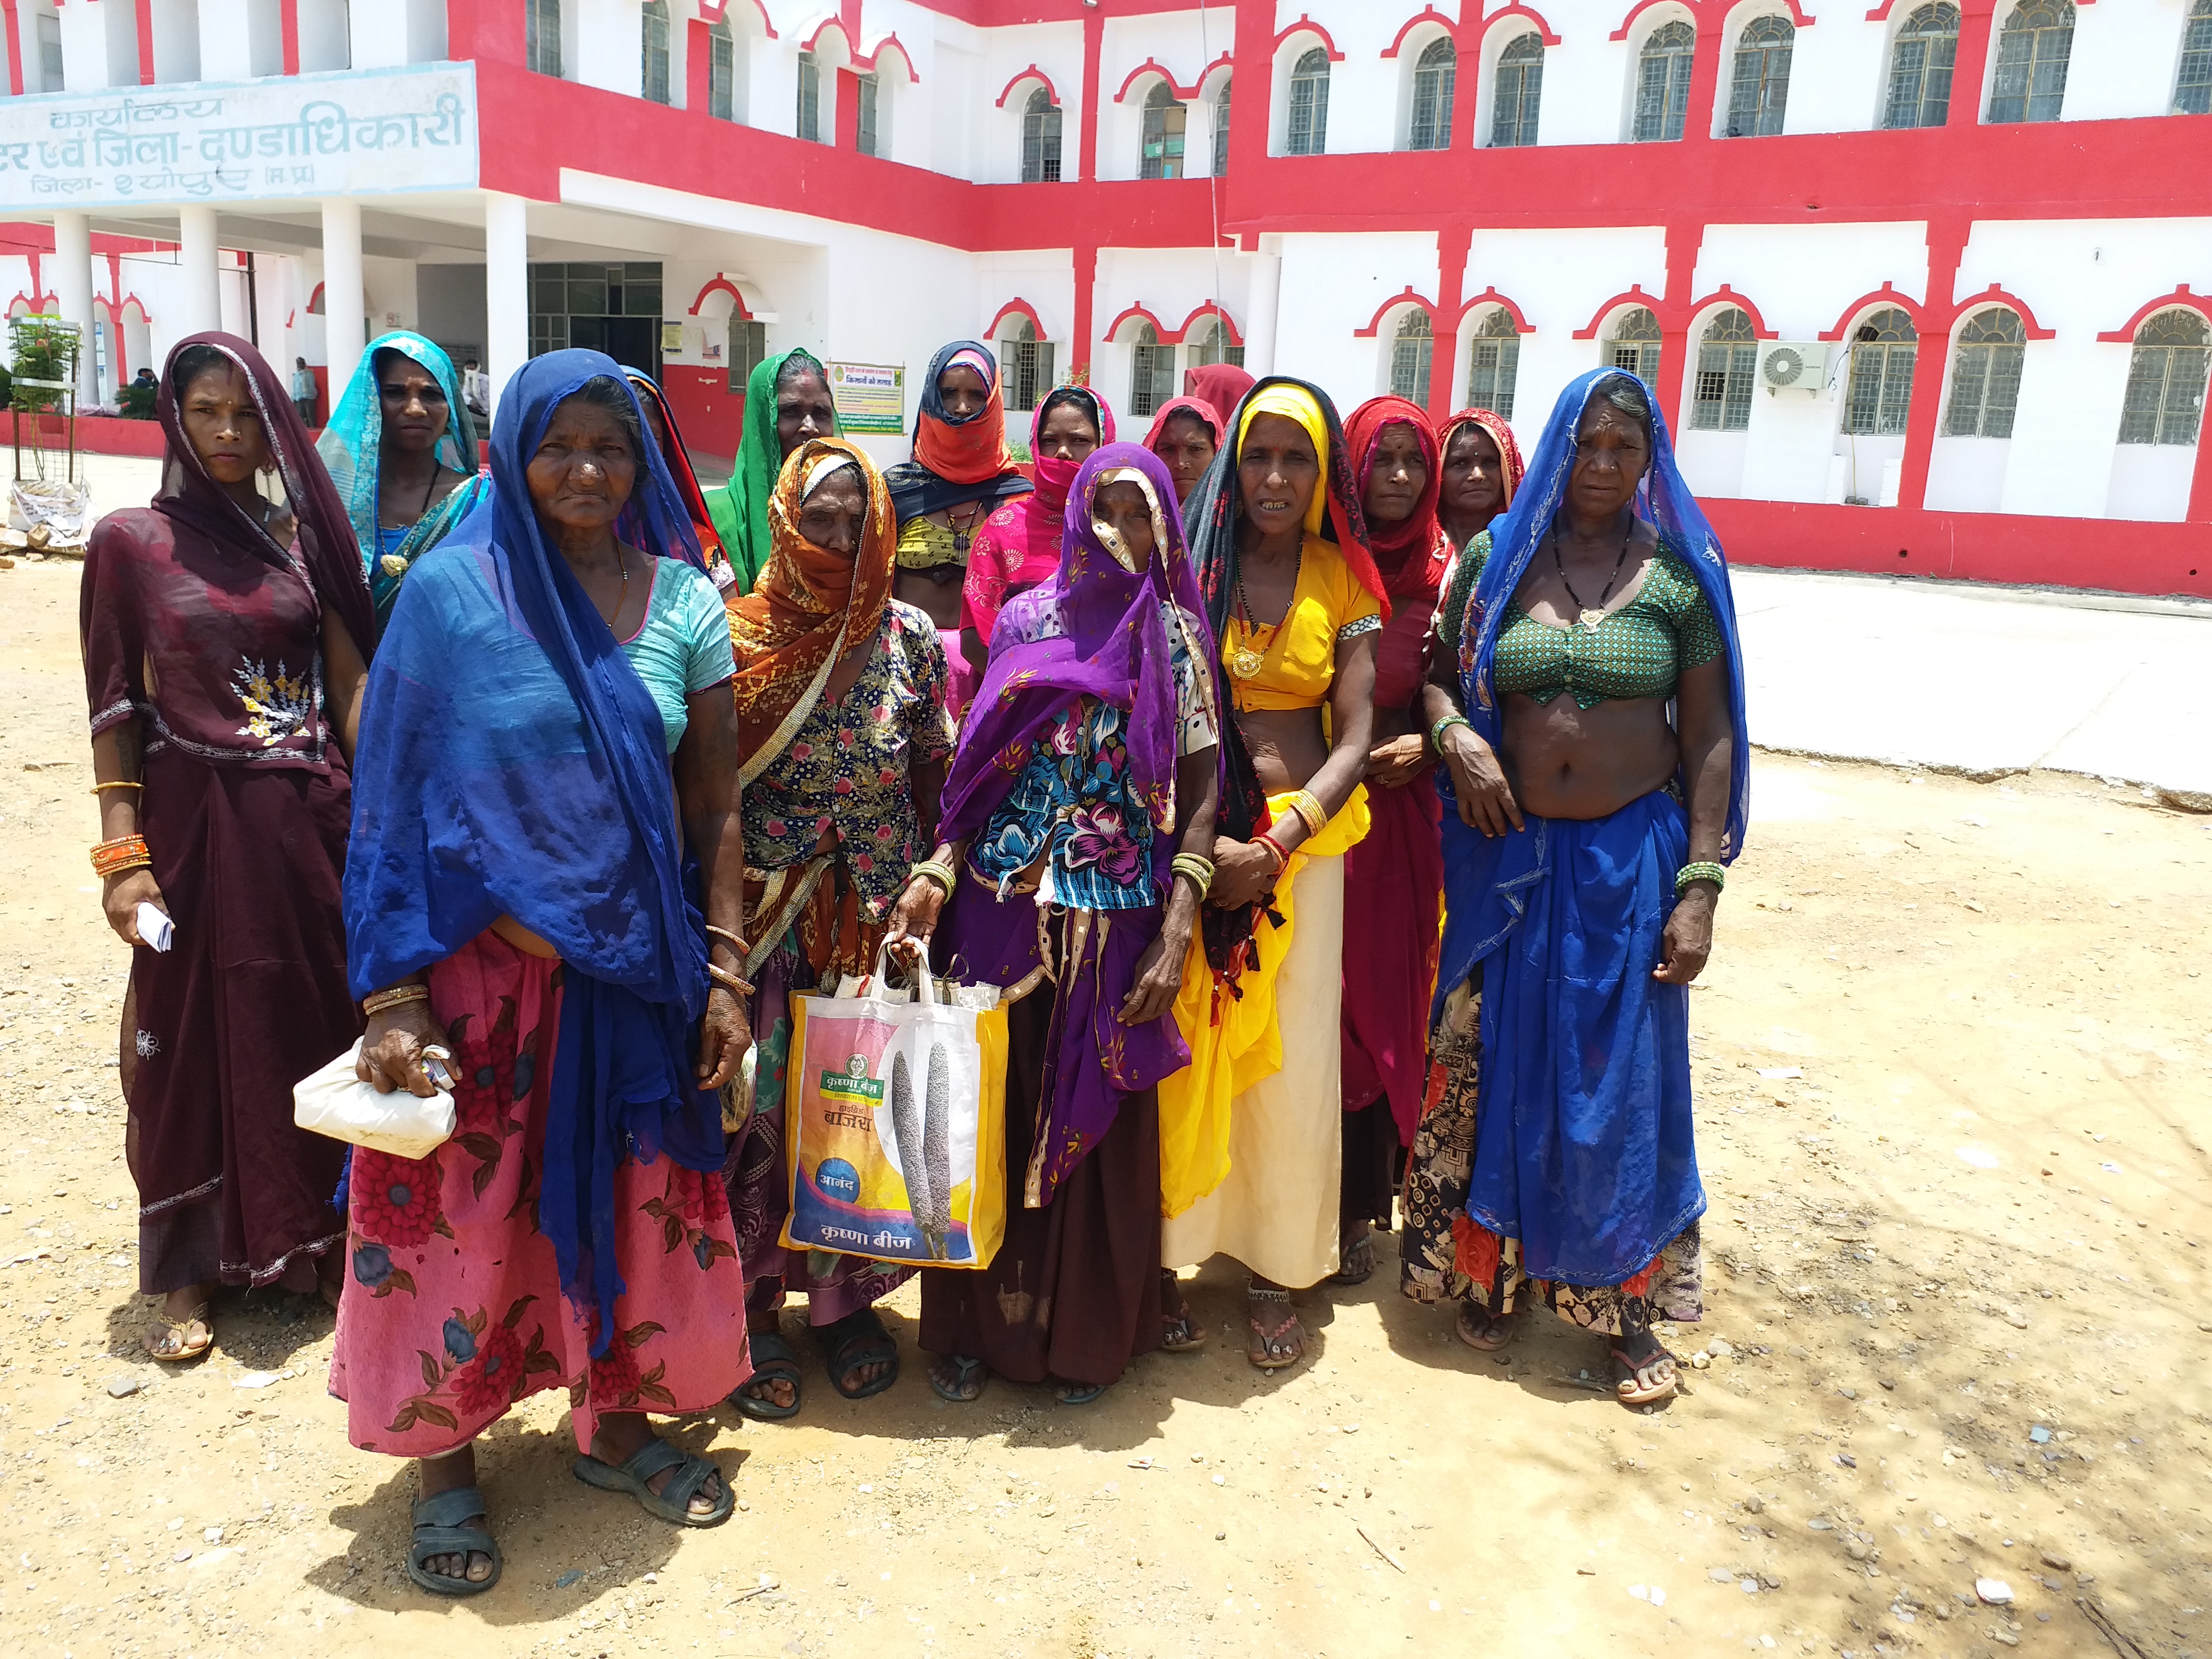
99, 46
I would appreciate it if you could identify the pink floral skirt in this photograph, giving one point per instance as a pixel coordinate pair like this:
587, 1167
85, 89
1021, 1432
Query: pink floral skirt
452, 1307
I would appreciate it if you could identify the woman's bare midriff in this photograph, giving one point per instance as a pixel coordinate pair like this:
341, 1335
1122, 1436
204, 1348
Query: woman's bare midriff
1286, 745
1567, 761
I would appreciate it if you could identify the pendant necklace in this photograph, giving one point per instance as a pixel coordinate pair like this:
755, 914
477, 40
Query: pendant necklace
960, 528
1592, 616
1244, 661
623, 564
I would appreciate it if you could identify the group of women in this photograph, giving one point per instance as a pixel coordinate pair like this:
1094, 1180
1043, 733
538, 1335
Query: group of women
1342, 808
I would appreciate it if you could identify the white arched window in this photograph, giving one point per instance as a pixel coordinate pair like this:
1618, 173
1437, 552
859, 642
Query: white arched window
2032, 54
2192, 86
1634, 344
1662, 83
1221, 127
1208, 343
1920, 69
2165, 402
810, 97
1727, 368
1519, 92
1025, 363
1879, 396
542, 36
722, 70
1985, 375
1435, 73
1761, 86
1164, 121
1412, 352
1307, 134
1040, 140
1493, 364
1151, 372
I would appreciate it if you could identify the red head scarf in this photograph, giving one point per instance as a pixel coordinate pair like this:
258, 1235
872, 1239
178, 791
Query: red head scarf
1501, 434
1222, 385
1196, 407
1410, 553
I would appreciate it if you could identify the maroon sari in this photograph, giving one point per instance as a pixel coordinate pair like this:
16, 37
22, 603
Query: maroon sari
204, 632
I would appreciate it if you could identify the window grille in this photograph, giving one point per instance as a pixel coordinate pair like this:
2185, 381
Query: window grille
1920, 69
1494, 364
1151, 372
1635, 345
1040, 140
1662, 83
810, 97
1986, 376
2192, 87
1309, 129
1212, 346
1221, 127
1727, 369
2032, 54
1024, 364
871, 92
1520, 91
1410, 355
722, 72
542, 30
1434, 77
2165, 402
1761, 91
748, 346
1880, 392
654, 71
1164, 123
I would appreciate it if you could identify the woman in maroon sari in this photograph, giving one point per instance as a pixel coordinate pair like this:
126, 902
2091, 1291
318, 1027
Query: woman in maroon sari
223, 637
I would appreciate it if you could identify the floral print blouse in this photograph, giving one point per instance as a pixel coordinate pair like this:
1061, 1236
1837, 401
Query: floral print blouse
1073, 801
850, 766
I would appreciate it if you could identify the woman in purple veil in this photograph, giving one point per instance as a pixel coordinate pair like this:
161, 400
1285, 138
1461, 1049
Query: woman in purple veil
1078, 819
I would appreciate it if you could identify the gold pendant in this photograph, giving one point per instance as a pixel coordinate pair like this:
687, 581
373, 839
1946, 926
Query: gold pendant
1593, 619
1244, 662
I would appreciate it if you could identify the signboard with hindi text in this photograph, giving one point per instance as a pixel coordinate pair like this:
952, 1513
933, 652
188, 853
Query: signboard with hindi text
376, 131
870, 396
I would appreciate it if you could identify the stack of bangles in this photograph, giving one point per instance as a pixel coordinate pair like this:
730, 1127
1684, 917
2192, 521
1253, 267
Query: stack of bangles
723, 976
1690, 872
1200, 870
940, 875
112, 858
392, 997
1437, 731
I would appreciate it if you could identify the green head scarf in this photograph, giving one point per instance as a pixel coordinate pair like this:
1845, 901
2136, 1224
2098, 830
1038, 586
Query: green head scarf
739, 509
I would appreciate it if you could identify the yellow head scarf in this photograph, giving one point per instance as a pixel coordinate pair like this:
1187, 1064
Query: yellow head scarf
1296, 404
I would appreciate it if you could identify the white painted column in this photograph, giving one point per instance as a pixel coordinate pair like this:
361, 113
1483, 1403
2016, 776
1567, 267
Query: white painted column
1266, 305
73, 288
195, 241
507, 289
345, 302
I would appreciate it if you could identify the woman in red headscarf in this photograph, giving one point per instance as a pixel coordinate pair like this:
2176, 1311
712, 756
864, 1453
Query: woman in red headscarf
1186, 435
1482, 467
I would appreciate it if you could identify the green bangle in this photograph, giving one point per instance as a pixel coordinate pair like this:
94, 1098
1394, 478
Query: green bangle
1200, 870
1690, 872
1437, 731
936, 874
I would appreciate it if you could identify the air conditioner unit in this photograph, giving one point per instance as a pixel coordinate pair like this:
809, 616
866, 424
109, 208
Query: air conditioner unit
1793, 366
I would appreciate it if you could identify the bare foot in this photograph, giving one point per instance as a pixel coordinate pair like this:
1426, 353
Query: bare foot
439, 1474
622, 1435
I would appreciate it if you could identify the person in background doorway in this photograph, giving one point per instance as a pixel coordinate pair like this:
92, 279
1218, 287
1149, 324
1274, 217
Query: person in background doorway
402, 451
476, 390
223, 638
1019, 545
788, 402
305, 391
1186, 434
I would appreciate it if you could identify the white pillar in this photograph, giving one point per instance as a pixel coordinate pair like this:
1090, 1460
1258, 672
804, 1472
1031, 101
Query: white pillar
345, 301
195, 256
507, 289
1267, 304
73, 288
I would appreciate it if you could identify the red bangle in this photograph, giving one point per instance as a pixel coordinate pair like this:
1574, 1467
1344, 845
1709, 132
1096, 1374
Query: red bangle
1264, 839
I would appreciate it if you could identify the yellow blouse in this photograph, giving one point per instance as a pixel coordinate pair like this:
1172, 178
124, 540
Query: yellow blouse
1297, 658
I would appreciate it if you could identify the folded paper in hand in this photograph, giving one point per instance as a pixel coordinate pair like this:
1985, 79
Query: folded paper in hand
155, 929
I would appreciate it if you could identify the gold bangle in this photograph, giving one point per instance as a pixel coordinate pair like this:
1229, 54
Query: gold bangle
732, 940
723, 976
392, 996
97, 787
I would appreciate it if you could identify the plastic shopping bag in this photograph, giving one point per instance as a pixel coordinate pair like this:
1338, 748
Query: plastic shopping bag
894, 1116
334, 1101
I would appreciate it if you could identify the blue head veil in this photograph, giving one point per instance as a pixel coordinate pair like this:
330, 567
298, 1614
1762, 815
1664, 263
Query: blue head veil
1665, 500
511, 762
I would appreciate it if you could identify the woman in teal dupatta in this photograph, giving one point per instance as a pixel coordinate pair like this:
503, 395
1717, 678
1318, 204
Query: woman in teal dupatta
401, 447
786, 402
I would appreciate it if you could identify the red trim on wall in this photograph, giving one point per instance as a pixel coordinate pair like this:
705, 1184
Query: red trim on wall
1426, 14
1517, 9
1016, 308
2200, 484
869, 61
1167, 336
1094, 41
721, 284
1993, 295
15, 49
1086, 298
145, 43
1208, 309
287, 28
1305, 25
821, 28
1490, 297
1947, 246
1976, 20
767, 21
2199, 303
698, 64
1032, 73
1695, 9
1454, 243
1634, 296
1407, 296
1886, 294
314, 301
1725, 295
1153, 66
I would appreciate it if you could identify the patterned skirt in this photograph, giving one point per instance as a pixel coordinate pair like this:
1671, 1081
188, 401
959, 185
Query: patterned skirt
453, 1309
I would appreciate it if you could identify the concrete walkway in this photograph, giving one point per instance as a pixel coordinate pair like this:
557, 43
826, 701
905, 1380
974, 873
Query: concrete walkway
1980, 679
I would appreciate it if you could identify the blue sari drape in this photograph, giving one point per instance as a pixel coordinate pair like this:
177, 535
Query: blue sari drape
511, 762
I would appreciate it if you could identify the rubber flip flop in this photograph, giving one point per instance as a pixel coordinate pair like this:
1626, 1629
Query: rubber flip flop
439, 1531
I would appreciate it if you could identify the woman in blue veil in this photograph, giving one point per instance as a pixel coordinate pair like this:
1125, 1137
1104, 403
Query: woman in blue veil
545, 799
1587, 700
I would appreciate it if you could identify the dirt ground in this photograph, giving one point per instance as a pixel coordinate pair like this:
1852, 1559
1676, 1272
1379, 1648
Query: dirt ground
1950, 1055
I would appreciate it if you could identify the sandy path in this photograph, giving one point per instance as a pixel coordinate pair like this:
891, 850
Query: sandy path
1951, 1058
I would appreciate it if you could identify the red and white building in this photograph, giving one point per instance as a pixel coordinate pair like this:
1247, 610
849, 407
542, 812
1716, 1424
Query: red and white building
1924, 285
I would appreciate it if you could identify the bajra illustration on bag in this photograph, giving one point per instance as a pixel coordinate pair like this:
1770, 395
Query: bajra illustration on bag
924, 1135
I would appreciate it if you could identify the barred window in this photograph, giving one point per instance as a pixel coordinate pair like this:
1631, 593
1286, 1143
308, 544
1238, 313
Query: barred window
1025, 364
1662, 83
722, 71
1434, 76
748, 346
1040, 140
541, 33
654, 46
1164, 121
1493, 364
1762, 78
1151, 372
1520, 92
1221, 127
1986, 376
2165, 402
1634, 344
1211, 345
1410, 355
1920, 69
810, 97
2192, 87
2032, 54
1879, 393
869, 138
1727, 369
1309, 129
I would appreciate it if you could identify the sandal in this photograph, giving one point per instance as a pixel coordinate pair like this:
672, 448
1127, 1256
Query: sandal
857, 1340
1356, 1261
440, 1529
1080, 1393
774, 1360
1273, 1351
1632, 1381
964, 1371
1494, 1333
184, 1349
1179, 1332
672, 1504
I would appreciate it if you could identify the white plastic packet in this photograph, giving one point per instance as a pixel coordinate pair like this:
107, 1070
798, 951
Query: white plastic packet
334, 1101
155, 929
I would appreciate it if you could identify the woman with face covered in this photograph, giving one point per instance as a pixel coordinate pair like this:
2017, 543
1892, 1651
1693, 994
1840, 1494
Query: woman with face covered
1590, 717
1075, 851
786, 402
842, 721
